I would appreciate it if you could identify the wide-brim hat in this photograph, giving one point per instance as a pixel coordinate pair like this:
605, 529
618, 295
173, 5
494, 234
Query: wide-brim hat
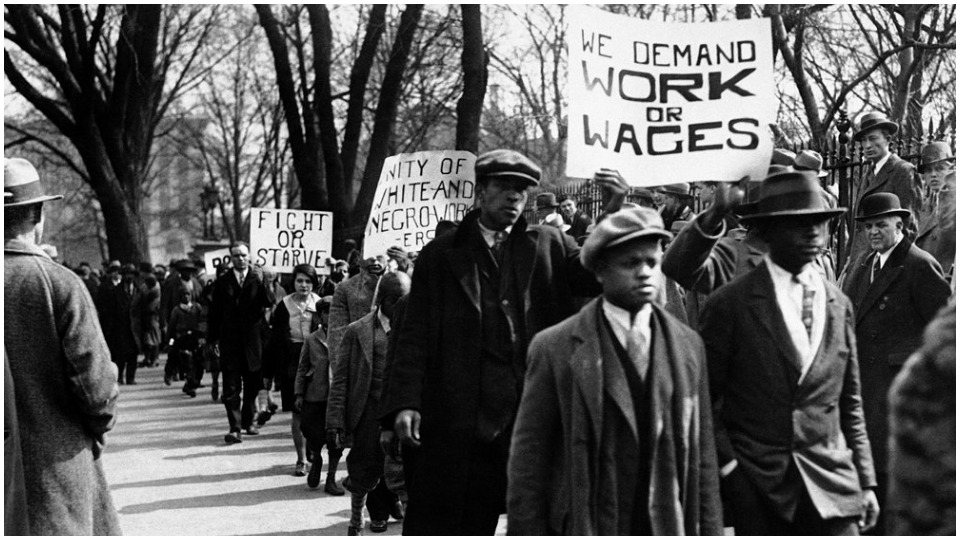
186, 264
790, 193
681, 190
880, 205
872, 121
504, 163
547, 200
782, 156
114, 265
809, 160
21, 184
935, 152
629, 223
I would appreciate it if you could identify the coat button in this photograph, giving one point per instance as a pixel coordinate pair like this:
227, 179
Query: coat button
883, 306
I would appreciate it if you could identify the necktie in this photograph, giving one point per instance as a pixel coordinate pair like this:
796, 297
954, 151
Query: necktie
876, 267
806, 313
499, 237
637, 350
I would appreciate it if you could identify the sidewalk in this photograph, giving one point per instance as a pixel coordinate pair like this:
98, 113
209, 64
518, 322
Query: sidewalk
171, 473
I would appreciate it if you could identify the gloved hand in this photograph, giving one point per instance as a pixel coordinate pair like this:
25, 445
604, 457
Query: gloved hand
334, 439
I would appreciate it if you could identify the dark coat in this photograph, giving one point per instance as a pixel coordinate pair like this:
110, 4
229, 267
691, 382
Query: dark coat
148, 309
352, 373
557, 480
578, 227
236, 318
766, 420
438, 357
937, 234
313, 373
896, 176
923, 427
170, 291
891, 315
119, 319
280, 360
67, 393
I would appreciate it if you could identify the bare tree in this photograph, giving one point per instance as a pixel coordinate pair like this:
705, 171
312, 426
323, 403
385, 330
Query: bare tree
474, 61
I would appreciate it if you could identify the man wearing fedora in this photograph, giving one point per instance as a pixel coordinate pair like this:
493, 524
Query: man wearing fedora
896, 289
676, 203
937, 229
614, 434
791, 439
547, 206
479, 294
60, 366
885, 173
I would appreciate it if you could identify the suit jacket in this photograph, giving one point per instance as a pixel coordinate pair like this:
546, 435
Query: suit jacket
896, 176
352, 299
438, 357
578, 227
559, 470
891, 314
236, 319
352, 373
766, 420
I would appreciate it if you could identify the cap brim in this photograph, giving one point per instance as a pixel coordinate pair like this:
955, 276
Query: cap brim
825, 214
902, 213
640, 234
36, 200
512, 174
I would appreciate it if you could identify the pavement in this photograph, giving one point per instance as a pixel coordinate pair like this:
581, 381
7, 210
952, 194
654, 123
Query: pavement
171, 473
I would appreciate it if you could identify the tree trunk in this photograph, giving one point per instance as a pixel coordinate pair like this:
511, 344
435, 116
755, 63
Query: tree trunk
386, 113
474, 61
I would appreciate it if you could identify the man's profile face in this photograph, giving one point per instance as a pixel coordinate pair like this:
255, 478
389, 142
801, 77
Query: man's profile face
706, 193
795, 241
568, 208
501, 202
883, 232
630, 273
240, 256
876, 145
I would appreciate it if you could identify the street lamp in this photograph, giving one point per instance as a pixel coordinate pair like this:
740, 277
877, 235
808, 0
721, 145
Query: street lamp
209, 200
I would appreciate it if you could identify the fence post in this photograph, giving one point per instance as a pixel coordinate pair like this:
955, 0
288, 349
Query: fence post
844, 186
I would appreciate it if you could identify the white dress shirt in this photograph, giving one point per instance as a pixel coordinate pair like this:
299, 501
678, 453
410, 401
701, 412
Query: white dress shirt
623, 326
790, 300
489, 235
879, 165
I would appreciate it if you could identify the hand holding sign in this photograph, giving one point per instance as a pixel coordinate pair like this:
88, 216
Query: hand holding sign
613, 189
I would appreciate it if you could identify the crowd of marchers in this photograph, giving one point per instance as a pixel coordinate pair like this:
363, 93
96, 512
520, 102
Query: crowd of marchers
644, 371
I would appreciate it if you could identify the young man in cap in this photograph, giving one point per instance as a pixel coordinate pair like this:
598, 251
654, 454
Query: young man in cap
791, 438
60, 366
614, 434
886, 173
937, 229
896, 289
479, 295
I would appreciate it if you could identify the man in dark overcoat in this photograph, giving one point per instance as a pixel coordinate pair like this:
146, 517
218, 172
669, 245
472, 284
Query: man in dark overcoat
791, 437
614, 433
478, 296
234, 327
885, 173
896, 289
66, 386
117, 303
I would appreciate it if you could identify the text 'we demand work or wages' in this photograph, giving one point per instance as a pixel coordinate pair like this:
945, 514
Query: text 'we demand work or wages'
657, 77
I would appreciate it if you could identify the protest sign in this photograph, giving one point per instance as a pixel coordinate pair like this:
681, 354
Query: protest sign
281, 239
211, 259
669, 102
415, 192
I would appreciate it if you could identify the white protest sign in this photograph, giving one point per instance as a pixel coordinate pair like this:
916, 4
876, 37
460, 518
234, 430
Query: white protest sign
415, 192
281, 239
211, 259
669, 102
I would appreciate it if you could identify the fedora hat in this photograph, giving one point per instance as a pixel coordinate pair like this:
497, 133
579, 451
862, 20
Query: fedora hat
185, 264
681, 190
128, 268
790, 193
21, 184
874, 120
547, 200
879, 205
934, 152
808, 160
782, 156
503, 163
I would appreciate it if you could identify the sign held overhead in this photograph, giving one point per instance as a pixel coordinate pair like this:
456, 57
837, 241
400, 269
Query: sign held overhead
280, 239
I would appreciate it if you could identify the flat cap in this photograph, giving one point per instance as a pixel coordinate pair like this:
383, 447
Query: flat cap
629, 223
504, 163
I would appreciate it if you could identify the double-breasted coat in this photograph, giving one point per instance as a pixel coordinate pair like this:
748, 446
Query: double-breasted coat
767, 417
438, 358
67, 393
897, 176
564, 477
891, 314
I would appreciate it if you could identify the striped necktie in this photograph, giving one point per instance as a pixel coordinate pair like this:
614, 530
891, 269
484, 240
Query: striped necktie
806, 312
876, 267
499, 237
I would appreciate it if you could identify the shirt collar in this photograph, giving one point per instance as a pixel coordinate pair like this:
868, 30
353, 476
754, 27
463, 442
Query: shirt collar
886, 254
620, 317
779, 274
879, 165
489, 234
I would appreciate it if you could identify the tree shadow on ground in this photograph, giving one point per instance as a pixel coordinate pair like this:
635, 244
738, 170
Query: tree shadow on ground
226, 499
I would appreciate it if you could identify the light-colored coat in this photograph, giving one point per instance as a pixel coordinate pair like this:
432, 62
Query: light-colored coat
559, 470
352, 299
66, 393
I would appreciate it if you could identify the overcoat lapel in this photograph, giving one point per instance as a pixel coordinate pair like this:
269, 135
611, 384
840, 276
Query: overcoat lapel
614, 378
465, 269
587, 364
523, 250
888, 274
763, 303
832, 334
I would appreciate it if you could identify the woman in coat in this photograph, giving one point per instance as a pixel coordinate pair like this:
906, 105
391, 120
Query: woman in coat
149, 308
293, 320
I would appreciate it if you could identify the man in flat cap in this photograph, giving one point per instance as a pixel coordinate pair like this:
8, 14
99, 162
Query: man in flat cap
792, 442
886, 173
614, 434
896, 289
60, 366
478, 296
